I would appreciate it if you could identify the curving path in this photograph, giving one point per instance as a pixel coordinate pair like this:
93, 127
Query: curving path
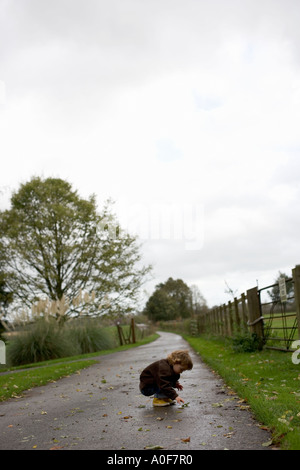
101, 408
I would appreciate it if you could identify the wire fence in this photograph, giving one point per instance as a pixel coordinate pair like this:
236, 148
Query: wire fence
280, 318
272, 313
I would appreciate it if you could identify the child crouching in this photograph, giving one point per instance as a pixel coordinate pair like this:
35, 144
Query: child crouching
161, 377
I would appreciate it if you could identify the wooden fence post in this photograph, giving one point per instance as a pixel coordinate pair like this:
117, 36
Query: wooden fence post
230, 318
206, 322
237, 315
212, 316
296, 277
219, 320
223, 329
120, 334
255, 318
133, 330
215, 321
224, 313
217, 326
226, 322
201, 323
244, 313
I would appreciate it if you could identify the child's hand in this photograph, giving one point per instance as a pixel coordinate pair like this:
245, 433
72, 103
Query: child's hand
179, 400
178, 386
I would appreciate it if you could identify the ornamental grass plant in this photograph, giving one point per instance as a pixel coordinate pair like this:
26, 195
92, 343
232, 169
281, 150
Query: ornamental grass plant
40, 341
45, 340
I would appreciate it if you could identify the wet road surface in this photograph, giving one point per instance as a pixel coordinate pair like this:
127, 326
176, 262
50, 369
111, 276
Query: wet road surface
101, 408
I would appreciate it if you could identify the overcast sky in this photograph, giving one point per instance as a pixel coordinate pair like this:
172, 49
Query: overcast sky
185, 112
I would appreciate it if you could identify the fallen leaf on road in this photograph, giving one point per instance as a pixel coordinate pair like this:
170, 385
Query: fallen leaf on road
244, 407
188, 439
267, 444
153, 447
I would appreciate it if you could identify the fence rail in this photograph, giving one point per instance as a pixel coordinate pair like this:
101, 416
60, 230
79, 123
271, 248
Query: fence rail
276, 323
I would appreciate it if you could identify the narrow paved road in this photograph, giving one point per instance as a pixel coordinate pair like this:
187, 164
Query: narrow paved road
101, 408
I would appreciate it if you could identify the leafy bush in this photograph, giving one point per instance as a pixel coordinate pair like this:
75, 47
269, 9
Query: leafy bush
246, 342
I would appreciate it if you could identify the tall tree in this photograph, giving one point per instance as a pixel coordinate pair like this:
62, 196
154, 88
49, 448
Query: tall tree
57, 245
160, 306
180, 293
199, 304
170, 300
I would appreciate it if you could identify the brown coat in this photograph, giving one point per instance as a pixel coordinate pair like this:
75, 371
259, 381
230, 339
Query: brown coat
162, 374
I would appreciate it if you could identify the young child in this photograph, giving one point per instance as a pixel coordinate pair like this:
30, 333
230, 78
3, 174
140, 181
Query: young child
161, 377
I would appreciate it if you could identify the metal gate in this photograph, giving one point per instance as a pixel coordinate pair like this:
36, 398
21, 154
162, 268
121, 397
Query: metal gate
280, 325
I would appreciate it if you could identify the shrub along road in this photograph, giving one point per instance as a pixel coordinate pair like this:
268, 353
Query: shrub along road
101, 408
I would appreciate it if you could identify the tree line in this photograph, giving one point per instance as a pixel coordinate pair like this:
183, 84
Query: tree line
174, 299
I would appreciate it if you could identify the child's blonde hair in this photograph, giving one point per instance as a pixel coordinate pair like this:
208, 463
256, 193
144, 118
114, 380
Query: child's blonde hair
182, 357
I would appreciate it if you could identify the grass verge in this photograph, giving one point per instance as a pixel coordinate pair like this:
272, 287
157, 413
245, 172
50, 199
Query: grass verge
267, 380
12, 385
40, 373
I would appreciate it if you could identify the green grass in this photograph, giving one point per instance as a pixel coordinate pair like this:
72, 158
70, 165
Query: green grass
267, 380
12, 385
40, 373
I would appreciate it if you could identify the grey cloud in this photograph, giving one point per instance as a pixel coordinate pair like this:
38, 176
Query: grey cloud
72, 61
127, 40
